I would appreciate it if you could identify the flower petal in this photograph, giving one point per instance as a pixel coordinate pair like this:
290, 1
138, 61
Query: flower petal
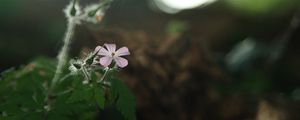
104, 52
105, 61
121, 62
97, 49
122, 52
111, 47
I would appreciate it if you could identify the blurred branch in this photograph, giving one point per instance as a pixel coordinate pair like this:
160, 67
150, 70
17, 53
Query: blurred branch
282, 40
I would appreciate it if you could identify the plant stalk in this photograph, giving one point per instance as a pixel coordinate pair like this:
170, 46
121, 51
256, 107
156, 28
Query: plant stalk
63, 54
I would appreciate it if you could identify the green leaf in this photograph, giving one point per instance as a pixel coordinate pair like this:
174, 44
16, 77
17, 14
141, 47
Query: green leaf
22, 91
33, 116
99, 96
124, 99
22, 94
81, 94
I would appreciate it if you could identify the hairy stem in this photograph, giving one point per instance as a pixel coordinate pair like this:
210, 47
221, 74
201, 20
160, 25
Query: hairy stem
104, 75
62, 59
65, 77
86, 74
63, 54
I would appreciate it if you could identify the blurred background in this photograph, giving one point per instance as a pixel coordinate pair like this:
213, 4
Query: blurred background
191, 59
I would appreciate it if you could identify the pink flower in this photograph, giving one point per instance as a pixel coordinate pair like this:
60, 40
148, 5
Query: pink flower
109, 53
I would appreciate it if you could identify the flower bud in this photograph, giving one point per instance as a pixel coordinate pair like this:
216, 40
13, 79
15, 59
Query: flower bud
93, 13
73, 11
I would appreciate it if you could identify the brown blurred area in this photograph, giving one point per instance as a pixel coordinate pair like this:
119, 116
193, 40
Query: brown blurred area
176, 75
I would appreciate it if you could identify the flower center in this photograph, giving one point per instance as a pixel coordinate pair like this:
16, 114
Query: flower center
113, 54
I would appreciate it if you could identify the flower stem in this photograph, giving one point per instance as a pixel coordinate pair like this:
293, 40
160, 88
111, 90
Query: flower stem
104, 75
65, 77
86, 74
63, 54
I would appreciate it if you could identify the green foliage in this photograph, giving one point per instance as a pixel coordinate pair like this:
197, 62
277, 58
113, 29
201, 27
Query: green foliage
22, 91
24, 94
262, 7
80, 94
124, 99
99, 96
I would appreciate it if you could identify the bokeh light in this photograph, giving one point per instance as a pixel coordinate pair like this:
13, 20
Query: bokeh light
174, 6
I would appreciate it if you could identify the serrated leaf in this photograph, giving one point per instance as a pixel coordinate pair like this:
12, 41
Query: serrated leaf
124, 99
21, 89
22, 94
81, 93
77, 96
99, 96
